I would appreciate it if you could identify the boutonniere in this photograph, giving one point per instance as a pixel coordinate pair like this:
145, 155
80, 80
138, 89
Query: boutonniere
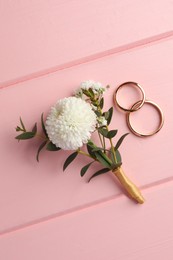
69, 126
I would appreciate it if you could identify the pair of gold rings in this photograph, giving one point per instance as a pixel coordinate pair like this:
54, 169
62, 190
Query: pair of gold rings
136, 106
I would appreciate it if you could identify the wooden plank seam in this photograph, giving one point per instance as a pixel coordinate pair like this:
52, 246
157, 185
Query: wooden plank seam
81, 208
142, 43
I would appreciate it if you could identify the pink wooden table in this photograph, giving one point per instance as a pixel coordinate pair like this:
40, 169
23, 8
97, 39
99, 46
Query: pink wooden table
46, 49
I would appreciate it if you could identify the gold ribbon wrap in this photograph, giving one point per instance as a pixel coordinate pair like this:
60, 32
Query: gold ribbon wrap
128, 185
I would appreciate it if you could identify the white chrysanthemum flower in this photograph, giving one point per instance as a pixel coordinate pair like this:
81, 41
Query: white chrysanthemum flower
97, 87
70, 123
102, 121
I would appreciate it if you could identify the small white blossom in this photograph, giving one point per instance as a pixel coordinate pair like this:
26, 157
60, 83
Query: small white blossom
70, 123
93, 107
78, 93
97, 87
102, 121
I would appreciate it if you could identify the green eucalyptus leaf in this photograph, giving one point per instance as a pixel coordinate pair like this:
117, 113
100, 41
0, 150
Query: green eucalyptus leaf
18, 129
103, 159
98, 154
52, 147
85, 169
69, 160
102, 171
106, 115
120, 141
89, 149
118, 156
25, 136
101, 102
109, 117
112, 156
86, 92
43, 126
97, 149
22, 124
39, 150
111, 133
100, 149
91, 92
34, 130
98, 114
90, 143
94, 102
103, 131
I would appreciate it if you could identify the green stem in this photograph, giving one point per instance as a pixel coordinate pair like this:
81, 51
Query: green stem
42, 137
106, 158
113, 150
112, 147
102, 144
84, 153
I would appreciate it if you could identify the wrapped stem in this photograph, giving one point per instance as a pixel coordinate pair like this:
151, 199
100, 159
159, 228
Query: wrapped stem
129, 186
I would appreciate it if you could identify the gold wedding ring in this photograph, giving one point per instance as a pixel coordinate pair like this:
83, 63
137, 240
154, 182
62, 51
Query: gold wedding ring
161, 118
133, 108
138, 105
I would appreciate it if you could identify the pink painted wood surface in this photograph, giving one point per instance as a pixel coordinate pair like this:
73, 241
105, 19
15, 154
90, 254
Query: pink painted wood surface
31, 191
113, 230
38, 37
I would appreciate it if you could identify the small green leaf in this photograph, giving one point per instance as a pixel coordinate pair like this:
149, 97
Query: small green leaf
106, 115
104, 170
52, 147
111, 133
26, 135
90, 143
101, 103
34, 130
110, 113
39, 150
120, 141
97, 149
100, 149
18, 129
22, 124
103, 159
86, 92
43, 126
118, 156
94, 103
85, 169
91, 92
103, 131
89, 149
99, 155
69, 160
98, 114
